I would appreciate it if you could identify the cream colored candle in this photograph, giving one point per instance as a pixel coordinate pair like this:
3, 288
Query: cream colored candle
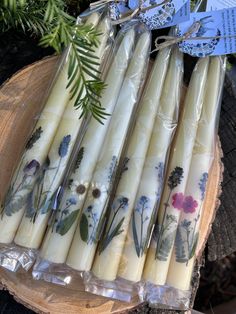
144, 210
35, 155
84, 244
111, 247
57, 242
34, 222
159, 253
183, 257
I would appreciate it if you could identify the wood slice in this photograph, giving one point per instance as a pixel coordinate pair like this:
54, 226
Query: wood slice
21, 99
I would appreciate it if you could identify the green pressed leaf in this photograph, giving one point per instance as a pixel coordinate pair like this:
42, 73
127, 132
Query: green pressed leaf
15, 205
193, 249
64, 225
163, 250
135, 235
108, 237
84, 229
179, 247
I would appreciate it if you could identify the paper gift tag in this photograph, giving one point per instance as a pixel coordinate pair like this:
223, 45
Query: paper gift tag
219, 25
163, 14
220, 4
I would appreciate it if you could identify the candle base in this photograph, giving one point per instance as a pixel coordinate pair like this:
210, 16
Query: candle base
118, 289
165, 297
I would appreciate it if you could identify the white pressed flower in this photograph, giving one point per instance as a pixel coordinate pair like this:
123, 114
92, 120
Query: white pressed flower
99, 193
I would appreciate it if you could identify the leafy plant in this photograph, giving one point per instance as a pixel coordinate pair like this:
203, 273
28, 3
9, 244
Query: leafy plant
165, 247
115, 223
65, 224
49, 20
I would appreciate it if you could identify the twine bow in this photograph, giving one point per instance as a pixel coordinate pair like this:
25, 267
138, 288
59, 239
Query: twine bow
194, 28
171, 40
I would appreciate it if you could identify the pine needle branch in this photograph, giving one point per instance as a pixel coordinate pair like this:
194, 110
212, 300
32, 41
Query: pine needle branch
49, 20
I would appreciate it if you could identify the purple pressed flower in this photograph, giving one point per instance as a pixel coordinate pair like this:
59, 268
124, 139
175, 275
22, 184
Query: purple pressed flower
177, 200
32, 167
189, 204
63, 148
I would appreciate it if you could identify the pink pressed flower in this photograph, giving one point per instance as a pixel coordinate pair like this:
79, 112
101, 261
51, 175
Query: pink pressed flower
177, 200
189, 204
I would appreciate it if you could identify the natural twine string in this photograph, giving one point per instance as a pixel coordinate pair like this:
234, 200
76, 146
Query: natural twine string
171, 40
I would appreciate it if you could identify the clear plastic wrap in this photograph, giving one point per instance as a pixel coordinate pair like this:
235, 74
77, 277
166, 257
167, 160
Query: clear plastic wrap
172, 254
89, 185
133, 208
34, 187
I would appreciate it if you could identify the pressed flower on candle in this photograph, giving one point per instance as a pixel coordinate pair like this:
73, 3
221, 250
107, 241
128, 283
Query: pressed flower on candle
80, 177
142, 175
104, 174
36, 149
163, 247
174, 196
31, 231
183, 256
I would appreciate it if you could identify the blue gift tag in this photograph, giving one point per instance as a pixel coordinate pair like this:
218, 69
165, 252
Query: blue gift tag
220, 4
219, 25
163, 14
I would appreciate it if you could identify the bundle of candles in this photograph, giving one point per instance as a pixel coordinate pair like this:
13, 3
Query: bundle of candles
161, 272
73, 235
47, 155
120, 203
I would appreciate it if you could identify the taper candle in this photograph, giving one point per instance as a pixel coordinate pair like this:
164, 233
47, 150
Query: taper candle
84, 244
159, 253
112, 242
34, 222
58, 239
35, 154
183, 256
150, 188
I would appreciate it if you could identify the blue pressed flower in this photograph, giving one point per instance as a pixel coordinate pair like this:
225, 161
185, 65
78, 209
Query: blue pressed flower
124, 201
142, 204
89, 208
63, 148
143, 199
186, 223
160, 171
95, 216
72, 201
32, 167
202, 184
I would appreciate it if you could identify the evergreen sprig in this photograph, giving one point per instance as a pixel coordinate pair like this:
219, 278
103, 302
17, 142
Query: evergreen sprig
49, 20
